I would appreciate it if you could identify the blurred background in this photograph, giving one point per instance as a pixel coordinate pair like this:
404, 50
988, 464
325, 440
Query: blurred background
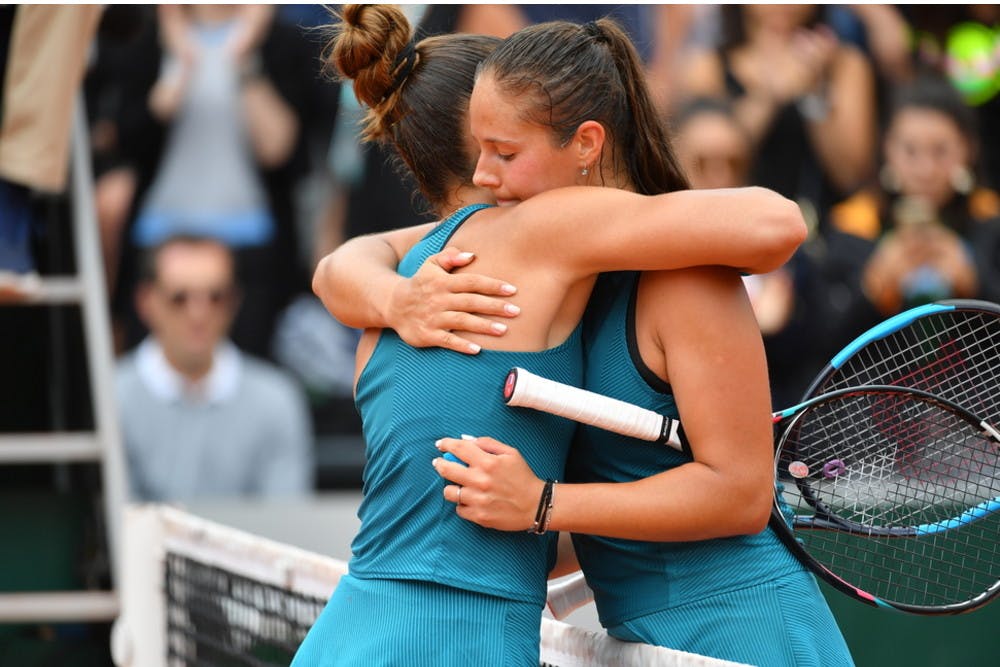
217, 123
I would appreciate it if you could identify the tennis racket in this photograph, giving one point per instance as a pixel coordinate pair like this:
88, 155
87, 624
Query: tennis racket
890, 494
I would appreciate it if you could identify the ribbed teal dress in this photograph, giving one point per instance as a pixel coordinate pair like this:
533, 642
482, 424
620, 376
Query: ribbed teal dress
425, 586
745, 599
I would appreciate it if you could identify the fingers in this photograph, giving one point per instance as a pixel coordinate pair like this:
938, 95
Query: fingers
452, 258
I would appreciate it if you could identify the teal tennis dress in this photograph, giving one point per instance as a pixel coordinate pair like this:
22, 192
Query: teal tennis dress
426, 587
746, 598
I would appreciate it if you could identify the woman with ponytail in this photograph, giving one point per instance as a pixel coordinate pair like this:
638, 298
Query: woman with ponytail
427, 587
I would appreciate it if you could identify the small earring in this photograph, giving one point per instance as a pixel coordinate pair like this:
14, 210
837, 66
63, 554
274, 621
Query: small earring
962, 180
887, 177
584, 171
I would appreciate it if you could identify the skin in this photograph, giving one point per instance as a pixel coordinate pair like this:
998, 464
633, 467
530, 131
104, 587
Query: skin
189, 334
714, 150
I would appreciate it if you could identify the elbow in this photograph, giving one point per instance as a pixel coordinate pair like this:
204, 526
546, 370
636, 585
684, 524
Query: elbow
753, 511
275, 152
320, 286
784, 230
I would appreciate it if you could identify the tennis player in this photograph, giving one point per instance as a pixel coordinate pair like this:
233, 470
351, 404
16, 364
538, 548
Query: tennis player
674, 546
426, 587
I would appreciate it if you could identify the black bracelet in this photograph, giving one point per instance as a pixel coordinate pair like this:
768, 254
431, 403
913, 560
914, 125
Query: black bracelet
544, 513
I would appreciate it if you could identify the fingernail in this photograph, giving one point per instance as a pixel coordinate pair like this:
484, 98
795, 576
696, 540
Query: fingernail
466, 255
466, 436
508, 289
439, 442
511, 309
499, 327
474, 349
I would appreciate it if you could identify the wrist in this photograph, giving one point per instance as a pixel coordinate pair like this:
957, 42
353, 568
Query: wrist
389, 289
543, 514
814, 106
251, 69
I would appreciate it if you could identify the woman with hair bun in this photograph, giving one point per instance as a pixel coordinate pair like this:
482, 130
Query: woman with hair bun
425, 586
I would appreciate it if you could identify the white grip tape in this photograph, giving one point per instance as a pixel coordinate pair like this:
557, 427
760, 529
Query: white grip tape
568, 594
525, 389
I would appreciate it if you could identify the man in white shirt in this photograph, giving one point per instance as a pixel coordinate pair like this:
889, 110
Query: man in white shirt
200, 418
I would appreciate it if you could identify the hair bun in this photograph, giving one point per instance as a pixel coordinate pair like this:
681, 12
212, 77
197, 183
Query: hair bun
365, 47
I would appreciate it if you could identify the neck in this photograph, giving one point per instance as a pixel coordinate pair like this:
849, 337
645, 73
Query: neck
192, 369
465, 195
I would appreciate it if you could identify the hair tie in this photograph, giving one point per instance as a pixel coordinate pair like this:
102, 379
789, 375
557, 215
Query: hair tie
402, 66
591, 29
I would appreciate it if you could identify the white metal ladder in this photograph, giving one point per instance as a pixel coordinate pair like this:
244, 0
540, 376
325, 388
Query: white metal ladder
104, 444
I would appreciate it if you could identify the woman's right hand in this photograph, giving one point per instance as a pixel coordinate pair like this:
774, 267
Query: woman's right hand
435, 306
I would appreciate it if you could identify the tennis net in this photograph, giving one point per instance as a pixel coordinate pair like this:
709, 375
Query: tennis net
196, 593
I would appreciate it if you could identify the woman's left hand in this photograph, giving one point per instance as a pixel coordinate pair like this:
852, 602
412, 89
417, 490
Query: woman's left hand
493, 487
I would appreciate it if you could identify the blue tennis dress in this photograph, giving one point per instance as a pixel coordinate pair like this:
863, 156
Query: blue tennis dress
746, 598
425, 586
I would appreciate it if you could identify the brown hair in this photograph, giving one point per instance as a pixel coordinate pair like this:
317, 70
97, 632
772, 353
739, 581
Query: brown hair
417, 94
590, 72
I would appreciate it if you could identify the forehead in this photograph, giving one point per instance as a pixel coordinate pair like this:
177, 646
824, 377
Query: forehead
494, 114
924, 123
193, 262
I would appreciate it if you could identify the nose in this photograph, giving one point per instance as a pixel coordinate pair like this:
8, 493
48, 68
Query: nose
483, 176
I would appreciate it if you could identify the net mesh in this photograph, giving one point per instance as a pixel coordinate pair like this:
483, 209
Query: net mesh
196, 594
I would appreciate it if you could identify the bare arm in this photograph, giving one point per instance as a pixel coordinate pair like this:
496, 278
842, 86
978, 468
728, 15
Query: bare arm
594, 230
845, 138
359, 285
716, 359
604, 229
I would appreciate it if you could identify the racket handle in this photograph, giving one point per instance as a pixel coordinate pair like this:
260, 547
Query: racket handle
525, 389
567, 595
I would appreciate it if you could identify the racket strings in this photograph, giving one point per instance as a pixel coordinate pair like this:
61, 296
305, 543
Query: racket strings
952, 355
883, 462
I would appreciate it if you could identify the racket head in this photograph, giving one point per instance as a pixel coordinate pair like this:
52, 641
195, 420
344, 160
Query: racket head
949, 348
906, 517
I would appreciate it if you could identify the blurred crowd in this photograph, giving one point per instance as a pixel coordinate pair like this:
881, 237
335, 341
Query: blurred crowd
218, 122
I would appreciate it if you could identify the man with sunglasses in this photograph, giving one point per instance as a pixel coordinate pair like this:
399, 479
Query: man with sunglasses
200, 418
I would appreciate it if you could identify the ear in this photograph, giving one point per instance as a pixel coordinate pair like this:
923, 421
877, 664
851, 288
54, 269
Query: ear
589, 142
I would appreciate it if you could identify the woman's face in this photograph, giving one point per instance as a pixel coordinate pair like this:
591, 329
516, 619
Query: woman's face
924, 148
517, 159
714, 151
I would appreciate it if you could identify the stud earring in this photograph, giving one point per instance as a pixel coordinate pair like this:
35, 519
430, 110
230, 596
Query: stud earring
887, 177
584, 171
962, 180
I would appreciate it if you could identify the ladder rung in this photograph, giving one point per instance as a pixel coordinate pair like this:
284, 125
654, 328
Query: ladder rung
55, 290
58, 606
48, 447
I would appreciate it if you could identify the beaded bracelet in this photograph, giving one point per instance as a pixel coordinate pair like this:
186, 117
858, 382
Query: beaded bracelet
544, 513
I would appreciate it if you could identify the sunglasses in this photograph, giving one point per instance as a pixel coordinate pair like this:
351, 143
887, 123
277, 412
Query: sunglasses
215, 297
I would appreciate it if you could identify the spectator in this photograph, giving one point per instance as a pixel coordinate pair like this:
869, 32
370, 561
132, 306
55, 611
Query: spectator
807, 100
201, 418
926, 231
